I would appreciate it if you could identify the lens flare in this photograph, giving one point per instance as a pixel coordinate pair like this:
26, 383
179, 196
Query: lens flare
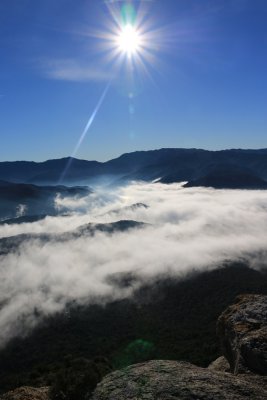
130, 38
84, 133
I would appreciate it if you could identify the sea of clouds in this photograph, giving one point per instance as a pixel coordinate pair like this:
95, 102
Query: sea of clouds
185, 230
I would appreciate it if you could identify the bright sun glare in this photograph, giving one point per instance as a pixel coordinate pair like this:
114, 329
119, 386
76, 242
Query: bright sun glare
129, 40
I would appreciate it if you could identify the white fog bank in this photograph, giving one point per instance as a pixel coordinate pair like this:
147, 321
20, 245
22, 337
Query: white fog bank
186, 230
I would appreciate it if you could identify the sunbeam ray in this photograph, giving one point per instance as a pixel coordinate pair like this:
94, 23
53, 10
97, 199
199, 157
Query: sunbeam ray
85, 131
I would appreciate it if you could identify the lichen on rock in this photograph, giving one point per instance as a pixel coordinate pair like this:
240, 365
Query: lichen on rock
27, 393
170, 380
242, 330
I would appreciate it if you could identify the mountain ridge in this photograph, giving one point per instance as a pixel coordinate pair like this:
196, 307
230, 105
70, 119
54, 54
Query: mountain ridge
170, 164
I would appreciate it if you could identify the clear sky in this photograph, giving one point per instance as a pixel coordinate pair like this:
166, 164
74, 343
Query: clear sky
198, 77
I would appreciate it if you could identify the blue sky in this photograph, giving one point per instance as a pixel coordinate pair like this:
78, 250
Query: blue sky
204, 84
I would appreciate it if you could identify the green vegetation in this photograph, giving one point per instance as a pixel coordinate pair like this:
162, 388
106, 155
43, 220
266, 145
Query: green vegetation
78, 378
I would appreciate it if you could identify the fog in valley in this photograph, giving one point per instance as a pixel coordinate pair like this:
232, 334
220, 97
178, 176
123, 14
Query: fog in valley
60, 261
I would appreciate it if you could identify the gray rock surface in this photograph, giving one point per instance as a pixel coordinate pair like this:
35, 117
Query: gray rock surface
242, 330
220, 365
27, 393
171, 380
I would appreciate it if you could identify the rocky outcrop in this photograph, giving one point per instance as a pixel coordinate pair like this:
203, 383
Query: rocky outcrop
242, 330
27, 393
170, 380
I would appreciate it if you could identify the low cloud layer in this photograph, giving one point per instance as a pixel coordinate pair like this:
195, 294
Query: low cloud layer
186, 230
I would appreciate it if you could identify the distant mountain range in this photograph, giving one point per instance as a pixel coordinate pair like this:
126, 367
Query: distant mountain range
199, 167
24, 200
229, 178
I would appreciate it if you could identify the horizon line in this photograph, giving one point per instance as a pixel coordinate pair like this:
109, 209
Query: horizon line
138, 151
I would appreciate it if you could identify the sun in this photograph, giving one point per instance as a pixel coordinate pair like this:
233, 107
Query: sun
129, 40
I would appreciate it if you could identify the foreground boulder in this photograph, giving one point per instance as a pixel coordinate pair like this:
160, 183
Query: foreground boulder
27, 393
242, 330
170, 380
